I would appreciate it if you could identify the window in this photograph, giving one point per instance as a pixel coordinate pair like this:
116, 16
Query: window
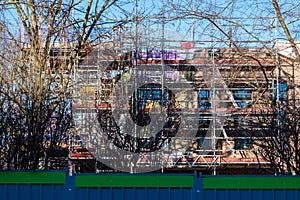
146, 94
204, 99
242, 96
242, 143
243, 140
282, 90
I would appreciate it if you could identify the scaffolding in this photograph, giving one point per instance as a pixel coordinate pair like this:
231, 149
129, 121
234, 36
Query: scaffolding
199, 95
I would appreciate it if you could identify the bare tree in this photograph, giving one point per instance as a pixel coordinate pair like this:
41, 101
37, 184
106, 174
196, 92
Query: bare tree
272, 29
41, 41
275, 137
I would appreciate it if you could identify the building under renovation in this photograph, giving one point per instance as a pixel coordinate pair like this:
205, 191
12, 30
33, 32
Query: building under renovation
144, 105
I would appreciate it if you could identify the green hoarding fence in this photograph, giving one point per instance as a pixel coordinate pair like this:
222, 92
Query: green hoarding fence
134, 181
32, 177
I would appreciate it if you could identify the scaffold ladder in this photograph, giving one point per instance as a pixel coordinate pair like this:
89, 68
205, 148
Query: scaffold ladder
229, 93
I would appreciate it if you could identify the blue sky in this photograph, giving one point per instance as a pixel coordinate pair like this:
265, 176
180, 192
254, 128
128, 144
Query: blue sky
238, 18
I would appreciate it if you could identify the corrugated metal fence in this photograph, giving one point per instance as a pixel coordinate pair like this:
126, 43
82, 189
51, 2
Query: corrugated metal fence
39, 185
